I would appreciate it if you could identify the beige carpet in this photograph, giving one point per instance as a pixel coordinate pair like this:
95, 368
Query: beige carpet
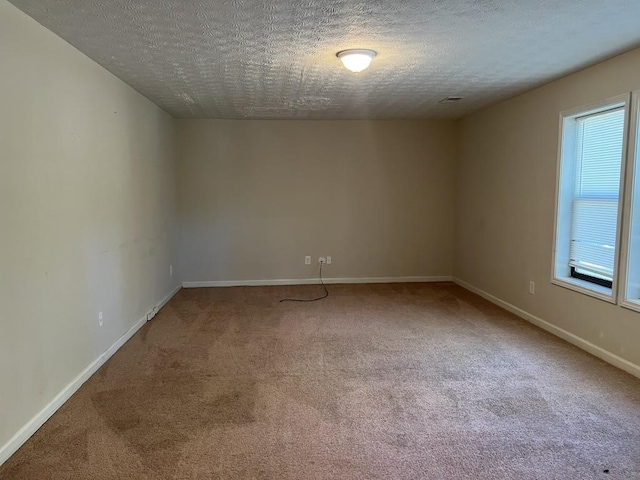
406, 381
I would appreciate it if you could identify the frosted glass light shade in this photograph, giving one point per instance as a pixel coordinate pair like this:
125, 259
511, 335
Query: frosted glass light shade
356, 60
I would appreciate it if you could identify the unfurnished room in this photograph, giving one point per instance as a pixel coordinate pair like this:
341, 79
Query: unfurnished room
322, 239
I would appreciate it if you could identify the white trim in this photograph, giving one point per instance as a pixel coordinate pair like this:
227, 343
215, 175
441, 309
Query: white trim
618, 101
631, 305
166, 299
629, 200
586, 288
595, 107
43, 415
312, 281
599, 352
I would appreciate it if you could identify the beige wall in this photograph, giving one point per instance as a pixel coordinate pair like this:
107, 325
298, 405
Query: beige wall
505, 205
257, 196
88, 207
86, 213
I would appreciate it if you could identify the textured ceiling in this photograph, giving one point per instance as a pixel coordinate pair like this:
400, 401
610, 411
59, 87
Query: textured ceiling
276, 59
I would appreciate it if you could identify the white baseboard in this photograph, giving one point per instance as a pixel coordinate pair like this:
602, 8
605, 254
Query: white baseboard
599, 352
41, 417
312, 281
166, 299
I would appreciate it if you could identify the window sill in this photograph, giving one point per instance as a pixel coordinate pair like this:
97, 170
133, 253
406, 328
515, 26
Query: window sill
631, 304
586, 288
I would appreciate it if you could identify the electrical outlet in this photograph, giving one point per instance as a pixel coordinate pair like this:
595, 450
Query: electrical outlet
171, 270
328, 260
307, 260
322, 260
152, 313
532, 287
100, 319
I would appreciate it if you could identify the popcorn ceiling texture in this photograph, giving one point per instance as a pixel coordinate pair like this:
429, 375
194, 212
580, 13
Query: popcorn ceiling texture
276, 59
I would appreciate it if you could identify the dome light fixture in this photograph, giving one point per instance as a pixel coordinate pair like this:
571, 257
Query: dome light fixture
356, 60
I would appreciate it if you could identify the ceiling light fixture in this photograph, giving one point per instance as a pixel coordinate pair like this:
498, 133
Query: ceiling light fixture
356, 60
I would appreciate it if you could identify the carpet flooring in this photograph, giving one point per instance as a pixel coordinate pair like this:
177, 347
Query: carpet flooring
402, 381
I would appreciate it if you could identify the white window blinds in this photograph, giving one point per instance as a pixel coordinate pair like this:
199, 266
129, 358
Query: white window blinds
599, 142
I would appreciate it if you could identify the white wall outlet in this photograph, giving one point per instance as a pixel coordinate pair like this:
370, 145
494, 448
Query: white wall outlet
171, 270
532, 287
307, 260
322, 260
100, 319
152, 313
328, 260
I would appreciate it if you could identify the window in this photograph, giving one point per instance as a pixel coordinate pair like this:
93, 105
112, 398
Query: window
595, 203
631, 239
588, 203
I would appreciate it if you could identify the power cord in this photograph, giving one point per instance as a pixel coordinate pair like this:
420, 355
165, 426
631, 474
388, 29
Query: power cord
326, 293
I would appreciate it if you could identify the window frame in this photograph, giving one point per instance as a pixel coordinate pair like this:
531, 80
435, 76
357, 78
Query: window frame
632, 176
574, 273
561, 244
